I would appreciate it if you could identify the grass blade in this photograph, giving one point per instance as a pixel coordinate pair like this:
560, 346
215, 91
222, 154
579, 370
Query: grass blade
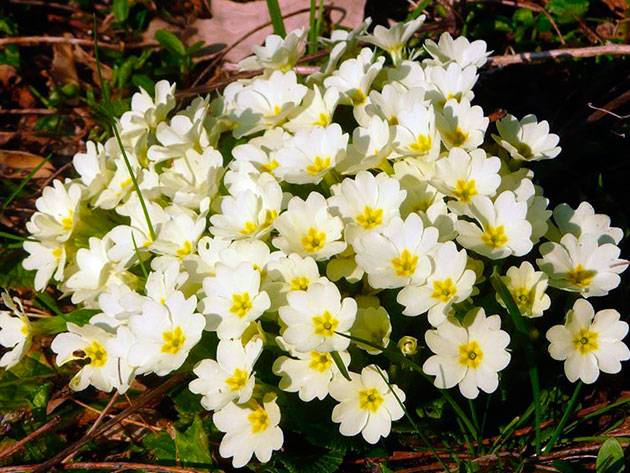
25, 181
565, 417
276, 18
339, 362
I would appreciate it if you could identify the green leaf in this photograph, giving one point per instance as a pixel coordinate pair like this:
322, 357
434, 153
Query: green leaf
171, 42
568, 11
339, 362
192, 445
276, 18
120, 8
610, 457
328, 462
161, 446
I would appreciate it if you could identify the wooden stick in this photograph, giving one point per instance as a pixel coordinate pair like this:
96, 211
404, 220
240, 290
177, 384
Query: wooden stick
591, 51
11, 449
39, 40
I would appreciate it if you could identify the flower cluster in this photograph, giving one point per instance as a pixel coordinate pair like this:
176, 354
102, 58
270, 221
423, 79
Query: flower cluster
290, 212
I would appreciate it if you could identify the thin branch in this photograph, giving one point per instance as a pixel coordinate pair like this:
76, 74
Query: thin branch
39, 40
591, 51
124, 421
119, 466
11, 449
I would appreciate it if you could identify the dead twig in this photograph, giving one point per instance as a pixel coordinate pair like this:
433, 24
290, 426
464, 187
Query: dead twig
39, 40
17, 446
27, 111
591, 51
112, 466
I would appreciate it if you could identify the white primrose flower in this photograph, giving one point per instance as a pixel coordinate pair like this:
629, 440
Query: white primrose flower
15, 332
248, 212
47, 258
451, 83
233, 299
290, 273
354, 77
394, 39
193, 178
260, 151
120, 185
166, 278
463, 175
250, 429
230, 377
461, 125
164, 334
310, 154
527, 287
147, 111
308, 229
105, 368
408, 74
367, 404
117, 303
179, 235
500, 227
526, 139
254, 252
93, 167
416, 134
398, 254
267, 102
314, 316
449, 283
316, 110
370, 148
277, 54
470, 355
57, 211
583, 220
308, 374
391, 101
458, 50
582, 265
183, 132
367, 202
589, 342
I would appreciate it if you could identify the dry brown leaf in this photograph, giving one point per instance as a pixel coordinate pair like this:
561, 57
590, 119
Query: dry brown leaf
63, 69
17, 164
8, 75
232, 20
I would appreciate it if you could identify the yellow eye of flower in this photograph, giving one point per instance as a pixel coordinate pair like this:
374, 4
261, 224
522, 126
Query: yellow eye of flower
465, 190
57, 253
185, 249
97, 354
173, 341
126, 183
320, 361
270, 216
237, 381
314, 240
300, 283
494, 237
370, 218
405, 264
270, 166
393, 120
444, 290
249, 227
458, 137
522, 297
241, 304
357, 96
585, 341
258, 419
319, 165
325, 324
580, 276
322, 120
370, 399
422, 145
470, 354
68, 221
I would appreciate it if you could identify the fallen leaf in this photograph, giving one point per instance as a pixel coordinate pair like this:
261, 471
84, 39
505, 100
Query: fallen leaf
63, 69
17, 164
8, 75
232, 20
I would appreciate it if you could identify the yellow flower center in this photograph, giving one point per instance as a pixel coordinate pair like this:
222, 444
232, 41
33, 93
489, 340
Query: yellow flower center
126, 183
313, 241
393, 120
238, 380
68, 221
494, 237
522, 297
405, 264
185, 249
470, 354
258, 419
357, 96
465, 190
97, 354
580, 276
276, 111
325, 324
370, 399
173, 341
451, 95
57, 253
444, 290
270, 166
270, 216
24, 330
300, 283
322, 120
249, 227
319, 165
370, 218
457, 137
241, 304
585, 341
422, 145
320, 361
